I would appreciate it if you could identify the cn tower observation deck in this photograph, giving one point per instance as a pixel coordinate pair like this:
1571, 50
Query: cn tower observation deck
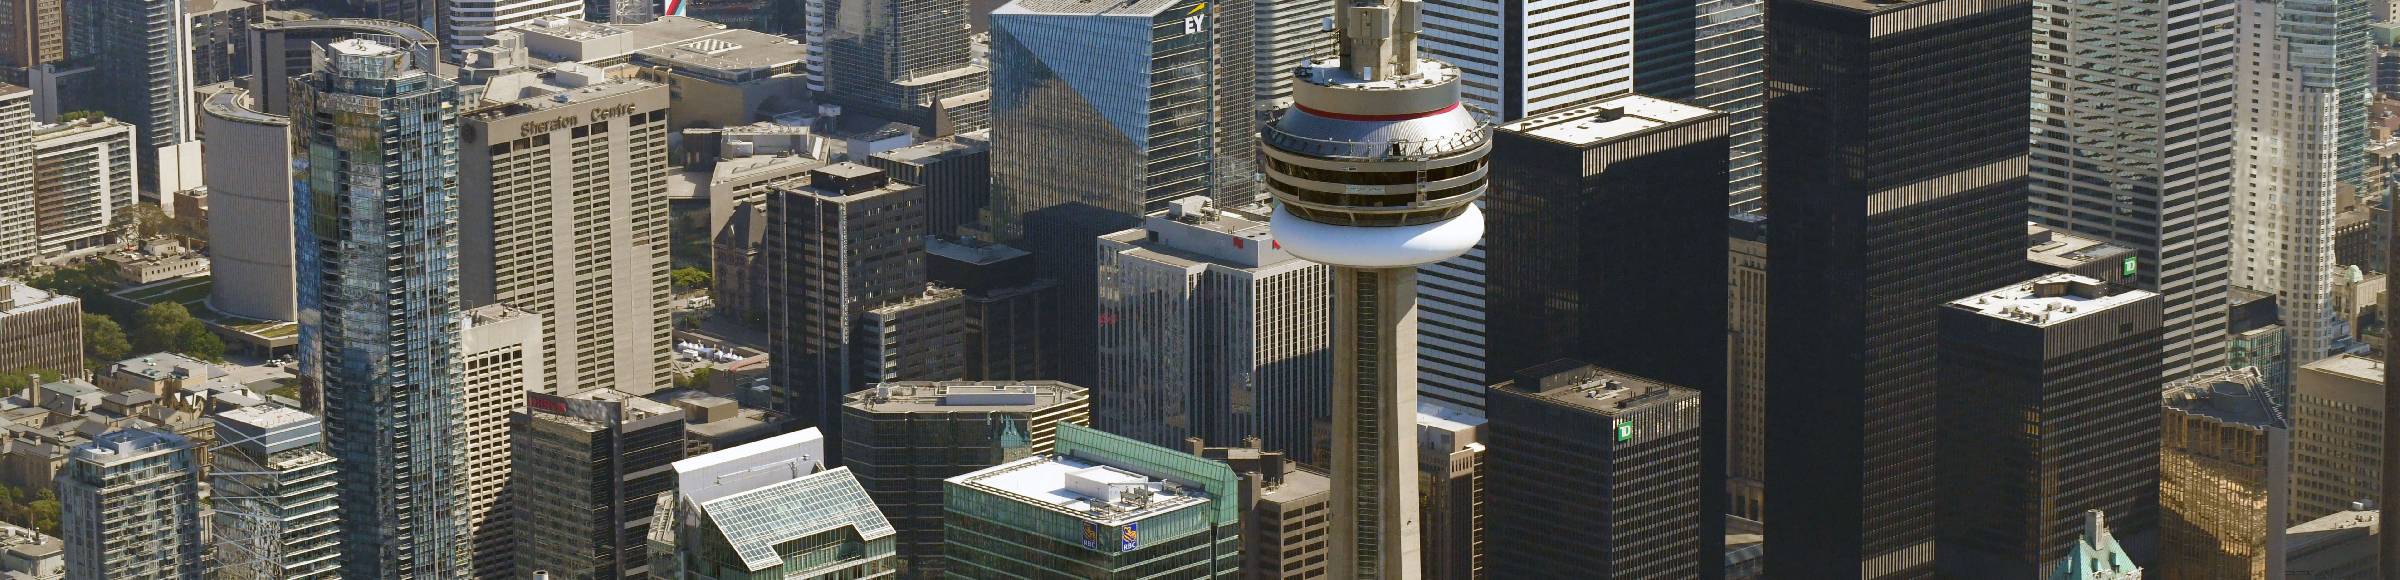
1375, 169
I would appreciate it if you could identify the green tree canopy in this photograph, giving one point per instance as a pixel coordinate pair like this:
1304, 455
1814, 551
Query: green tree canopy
690, 278
104, 341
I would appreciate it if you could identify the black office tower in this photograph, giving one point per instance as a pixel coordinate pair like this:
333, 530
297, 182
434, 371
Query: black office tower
1595, 473
1898, 183
1607, 244
2049, 408
839, 245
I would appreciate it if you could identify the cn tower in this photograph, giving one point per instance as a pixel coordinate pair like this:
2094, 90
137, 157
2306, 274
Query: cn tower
1376, 169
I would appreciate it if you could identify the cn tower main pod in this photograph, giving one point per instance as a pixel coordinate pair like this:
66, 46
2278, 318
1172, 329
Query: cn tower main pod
1375, 170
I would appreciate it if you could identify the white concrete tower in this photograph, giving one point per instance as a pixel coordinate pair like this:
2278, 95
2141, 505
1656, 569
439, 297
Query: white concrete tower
1376, 168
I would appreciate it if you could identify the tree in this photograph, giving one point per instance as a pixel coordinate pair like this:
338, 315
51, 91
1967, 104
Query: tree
73, 116
44, 513
160, 327
690, 278
196, 341
141, 220
87, 280
16, 381
104, 340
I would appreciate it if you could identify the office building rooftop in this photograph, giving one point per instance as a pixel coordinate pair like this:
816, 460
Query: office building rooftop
2351, 366
2064, 250
754, 522
1089, 491
1598, 390
965, 396
1609, 119
2049, 299
2229, 395
1087, 7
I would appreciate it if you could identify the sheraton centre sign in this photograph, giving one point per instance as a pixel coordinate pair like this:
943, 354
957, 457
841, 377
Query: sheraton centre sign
531, 128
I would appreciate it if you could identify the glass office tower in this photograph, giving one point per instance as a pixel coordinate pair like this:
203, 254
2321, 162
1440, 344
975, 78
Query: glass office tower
1899, 132
1102, 113
375, 192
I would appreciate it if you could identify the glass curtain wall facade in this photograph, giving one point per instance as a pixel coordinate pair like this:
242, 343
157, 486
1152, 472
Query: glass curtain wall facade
1712, 53
1900, 132
1101, 113
2132, 131
375, 194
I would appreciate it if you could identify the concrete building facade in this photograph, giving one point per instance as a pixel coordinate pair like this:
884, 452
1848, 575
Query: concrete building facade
40, 330
563, 213
1209, 329
501, 350
2337, 435
83, 178
250, 232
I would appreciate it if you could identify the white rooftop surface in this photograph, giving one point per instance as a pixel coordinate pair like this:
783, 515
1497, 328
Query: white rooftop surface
2019, 303
361, 47
746, 467
1586, 124
1071, 484
1446, 418
267, 416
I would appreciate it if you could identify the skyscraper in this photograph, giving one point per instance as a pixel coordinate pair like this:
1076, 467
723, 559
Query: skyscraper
586, 474
842, 244
274, 512
281, 52
250, 234
2048, 410
906, 437
903, 60
1608, 243
2143, 160
220, 35
1601, 466
1288, 34
1008, 305
2287, 117
956, 173
19, 237
501, 351
129, 507
32, 32
1376, 170
563, 213
1746, 366
146, 48
1101, 114
1210, 329
468, 24
1098, 506
1520, 58
2225, 464
1712, 54
375, 189
1899, 131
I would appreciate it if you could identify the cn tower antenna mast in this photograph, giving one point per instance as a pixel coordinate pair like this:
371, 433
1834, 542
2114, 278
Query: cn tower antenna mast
1375, 169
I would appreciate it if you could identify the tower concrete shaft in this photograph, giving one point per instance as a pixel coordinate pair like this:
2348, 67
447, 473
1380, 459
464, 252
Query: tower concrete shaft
1375, 170
1374, 423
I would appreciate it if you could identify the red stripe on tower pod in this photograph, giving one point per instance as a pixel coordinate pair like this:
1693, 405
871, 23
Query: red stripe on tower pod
1350, 117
